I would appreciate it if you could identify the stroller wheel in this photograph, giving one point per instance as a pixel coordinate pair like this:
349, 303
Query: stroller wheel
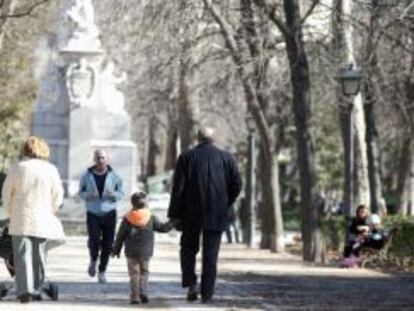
53, 291
3, 290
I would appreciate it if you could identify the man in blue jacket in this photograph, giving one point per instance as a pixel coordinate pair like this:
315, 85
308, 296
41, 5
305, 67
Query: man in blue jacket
206, 183
101, 188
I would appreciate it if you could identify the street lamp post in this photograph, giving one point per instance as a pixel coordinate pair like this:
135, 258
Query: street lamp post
350, 79
251, 180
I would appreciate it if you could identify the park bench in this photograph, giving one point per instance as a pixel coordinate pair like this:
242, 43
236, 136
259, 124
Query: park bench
370, 257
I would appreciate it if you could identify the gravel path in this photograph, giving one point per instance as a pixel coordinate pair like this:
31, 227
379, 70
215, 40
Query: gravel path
249, 280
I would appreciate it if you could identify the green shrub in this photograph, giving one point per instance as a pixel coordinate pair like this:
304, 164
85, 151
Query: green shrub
392, 221
401, 250
333, 229
291, 218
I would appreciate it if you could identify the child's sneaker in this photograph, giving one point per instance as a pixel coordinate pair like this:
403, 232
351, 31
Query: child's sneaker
144, 298
3, 290
102, 277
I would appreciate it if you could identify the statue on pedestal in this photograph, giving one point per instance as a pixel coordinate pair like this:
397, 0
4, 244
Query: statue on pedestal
83, 32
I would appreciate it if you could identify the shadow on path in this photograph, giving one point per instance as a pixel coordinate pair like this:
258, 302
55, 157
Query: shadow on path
328, 293
115, 295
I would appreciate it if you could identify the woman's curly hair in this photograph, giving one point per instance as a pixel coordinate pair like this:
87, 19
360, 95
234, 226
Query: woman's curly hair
36, 147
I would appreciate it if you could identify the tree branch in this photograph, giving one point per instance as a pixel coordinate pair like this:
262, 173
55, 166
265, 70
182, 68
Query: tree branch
226, 29
271, 12
406, 10
250, 92
27, 12
310, 11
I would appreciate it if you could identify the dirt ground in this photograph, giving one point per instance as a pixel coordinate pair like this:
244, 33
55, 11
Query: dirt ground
284, 282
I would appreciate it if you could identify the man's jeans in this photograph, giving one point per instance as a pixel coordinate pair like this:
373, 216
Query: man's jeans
101, 231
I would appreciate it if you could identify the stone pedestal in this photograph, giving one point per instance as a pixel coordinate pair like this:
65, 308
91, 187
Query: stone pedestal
92, 129
79, 108
74, 135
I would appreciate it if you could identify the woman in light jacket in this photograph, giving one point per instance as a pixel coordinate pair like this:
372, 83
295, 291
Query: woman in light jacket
32, 193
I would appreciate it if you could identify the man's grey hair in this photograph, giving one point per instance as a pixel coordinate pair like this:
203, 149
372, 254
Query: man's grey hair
98, 152
205, 133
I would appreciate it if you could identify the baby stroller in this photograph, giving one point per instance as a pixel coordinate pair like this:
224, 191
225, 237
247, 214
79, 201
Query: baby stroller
6, 252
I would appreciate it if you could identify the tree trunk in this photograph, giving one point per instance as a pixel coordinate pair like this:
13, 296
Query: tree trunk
171, 152
377, 200
265, 218
343, 51
338, 53
277, 241
407, 147
411, 188
172, 142
270, 178
154, 148
406, 154
6, 8
189, 106
271, 211
372, 137
312, 250
362, 193
362, 181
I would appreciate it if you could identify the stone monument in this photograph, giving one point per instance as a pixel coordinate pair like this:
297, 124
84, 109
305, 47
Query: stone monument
79, 107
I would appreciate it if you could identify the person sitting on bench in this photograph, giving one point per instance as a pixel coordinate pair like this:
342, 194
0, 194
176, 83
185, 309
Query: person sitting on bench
376, 237
358, 231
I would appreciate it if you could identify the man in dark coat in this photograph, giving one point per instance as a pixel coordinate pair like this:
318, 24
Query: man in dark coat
206, 183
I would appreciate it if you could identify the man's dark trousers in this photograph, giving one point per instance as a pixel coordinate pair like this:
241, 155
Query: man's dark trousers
190, 245
101, 231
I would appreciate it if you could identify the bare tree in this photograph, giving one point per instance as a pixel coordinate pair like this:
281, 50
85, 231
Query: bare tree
344, 48
256, 103
20, 31
370, 66
292, 31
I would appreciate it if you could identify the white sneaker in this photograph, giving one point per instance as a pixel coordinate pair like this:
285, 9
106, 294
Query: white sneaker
102, 277
92, 269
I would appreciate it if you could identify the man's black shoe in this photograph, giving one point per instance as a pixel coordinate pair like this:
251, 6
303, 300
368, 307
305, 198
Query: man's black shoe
207, 300
192, 295
25, 298
36, 298
144, 298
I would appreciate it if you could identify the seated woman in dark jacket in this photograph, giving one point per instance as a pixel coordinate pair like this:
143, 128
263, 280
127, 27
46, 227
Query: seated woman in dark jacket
137, 233
358, 231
